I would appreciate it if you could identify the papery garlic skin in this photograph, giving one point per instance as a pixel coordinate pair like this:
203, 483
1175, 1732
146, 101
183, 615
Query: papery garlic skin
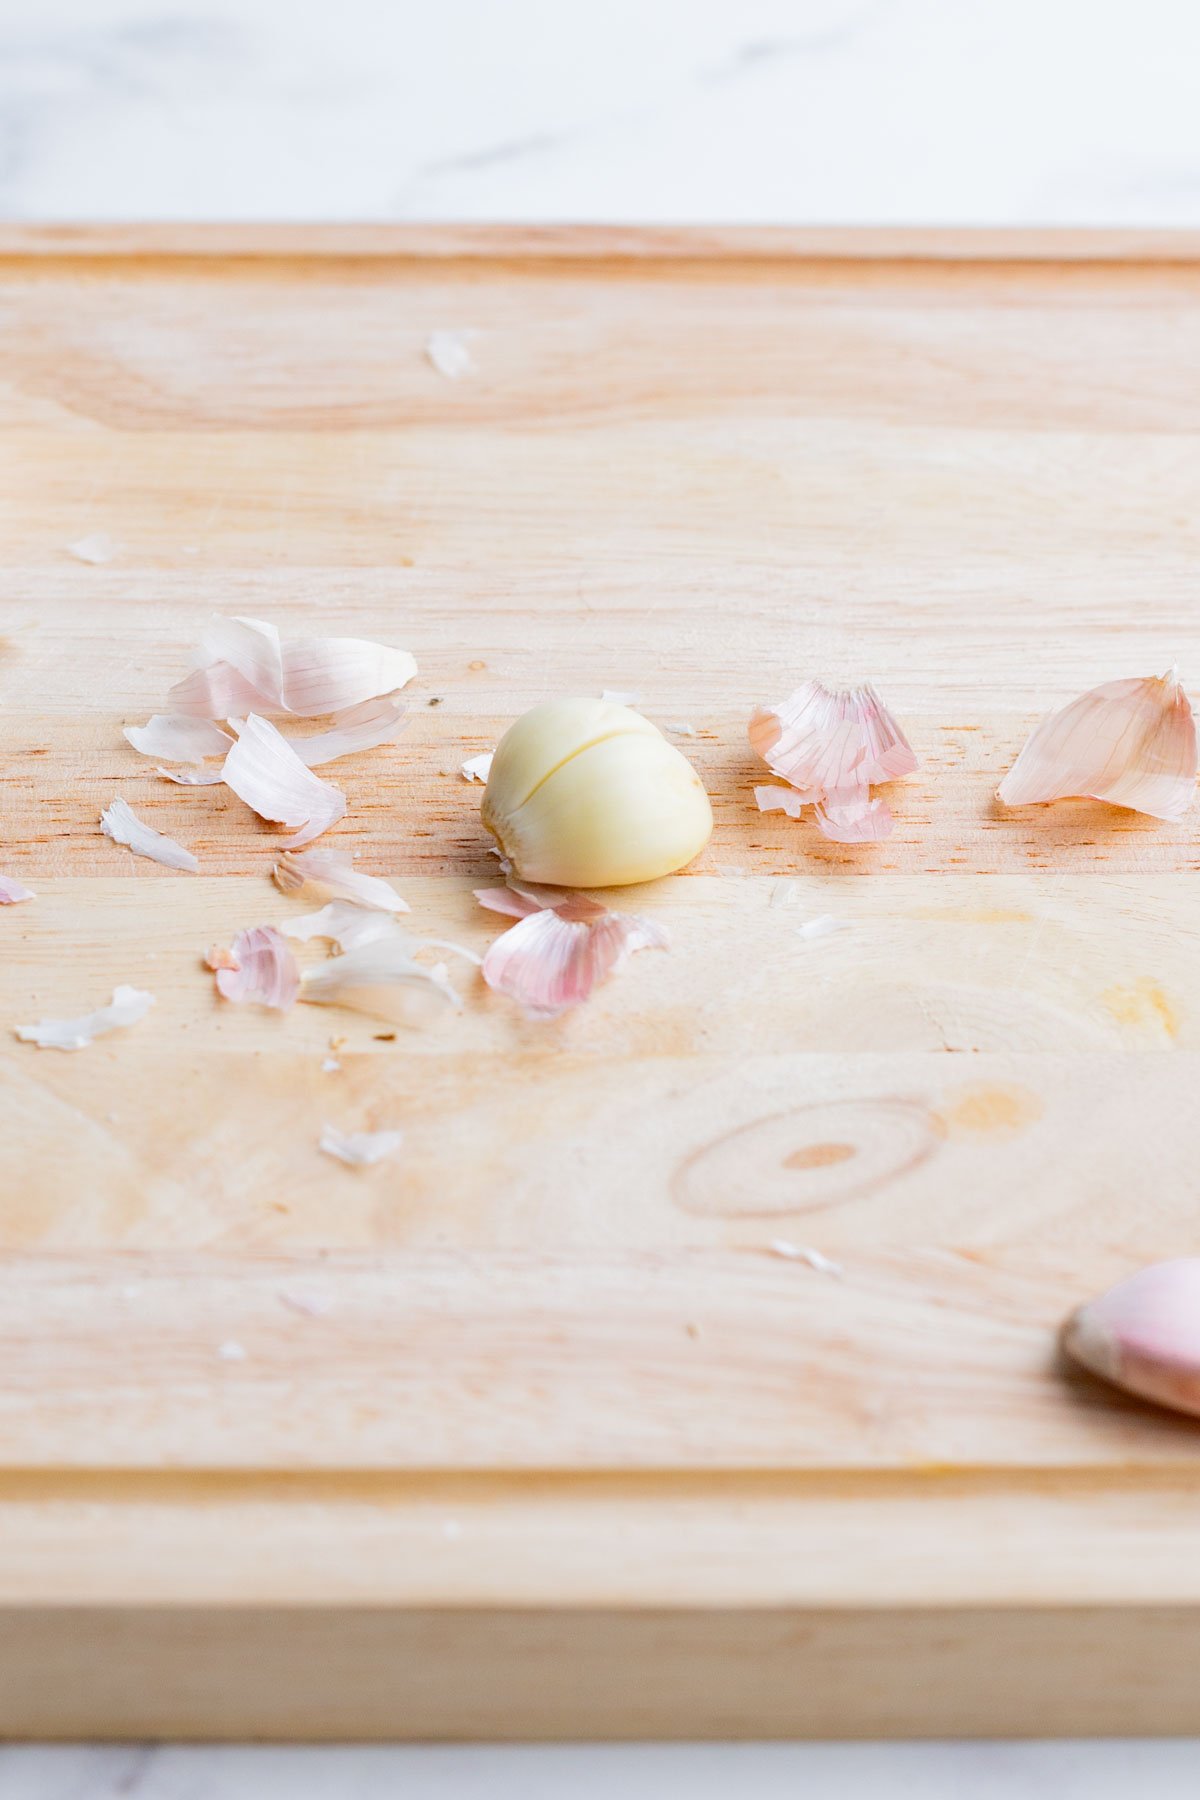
1131, 743
585, 793
1144, 1334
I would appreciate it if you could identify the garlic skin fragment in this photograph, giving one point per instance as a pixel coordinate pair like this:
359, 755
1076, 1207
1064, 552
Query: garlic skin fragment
177, 737
96, 549
1144, 1334
363, 727
13, 891
128, 1005
1131, 743
244, 666
259, 967
358, 1150
449, 353
120, 823
328, 875
382, 978
832, 746
263, 770
343, 923
562, 946
584, 793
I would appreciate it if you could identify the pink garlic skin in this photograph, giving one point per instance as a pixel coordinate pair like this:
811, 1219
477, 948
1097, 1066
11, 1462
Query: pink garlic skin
1144, 1334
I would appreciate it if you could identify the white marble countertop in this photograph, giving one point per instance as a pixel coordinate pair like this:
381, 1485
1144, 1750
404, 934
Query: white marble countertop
816, 111
804, 111
983, 1771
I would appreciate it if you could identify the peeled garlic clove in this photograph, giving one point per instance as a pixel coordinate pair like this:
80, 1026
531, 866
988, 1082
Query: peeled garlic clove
1144, 1334
585, 793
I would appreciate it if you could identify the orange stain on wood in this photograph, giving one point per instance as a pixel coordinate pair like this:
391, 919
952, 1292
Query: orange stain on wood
975, 915
1143, 1003
819, 1156
986, 1110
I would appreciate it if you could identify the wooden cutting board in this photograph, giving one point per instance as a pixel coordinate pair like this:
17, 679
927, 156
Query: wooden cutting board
533, 1433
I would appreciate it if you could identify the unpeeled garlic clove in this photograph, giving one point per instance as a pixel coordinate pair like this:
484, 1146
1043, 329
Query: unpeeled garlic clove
1144, 1334
588, 794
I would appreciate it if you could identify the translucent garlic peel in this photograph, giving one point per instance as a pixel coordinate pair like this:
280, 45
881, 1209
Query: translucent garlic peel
13, 891
328, 875
120, 823
831, 746
359, 1149
1131, 743
583, 793
244, 666
330, 675
174, 737
363, 727
96, 549
128, 1005
828, 740
853, 819
449, 353
265, 772
381, 978
343, 923
260, 970
780, 799
1144, 1334
562, 946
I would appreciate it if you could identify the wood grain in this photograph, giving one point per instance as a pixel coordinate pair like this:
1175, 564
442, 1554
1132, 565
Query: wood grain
565, 1447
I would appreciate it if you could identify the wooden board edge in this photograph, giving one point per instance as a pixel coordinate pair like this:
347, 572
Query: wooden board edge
378, 1673
567, 1543
599, 243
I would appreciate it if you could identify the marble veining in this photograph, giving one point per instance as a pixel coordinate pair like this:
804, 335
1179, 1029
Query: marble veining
809, 111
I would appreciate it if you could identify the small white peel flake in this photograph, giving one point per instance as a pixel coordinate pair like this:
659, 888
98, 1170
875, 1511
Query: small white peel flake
360, 1149
804, 1253
120, 823
822, 926
128, 1005
450, 354
309, 1305
98, 548
478, 768
231, 1351
619, 697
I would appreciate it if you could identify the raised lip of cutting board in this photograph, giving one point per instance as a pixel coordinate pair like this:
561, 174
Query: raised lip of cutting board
649, 243
101, 1570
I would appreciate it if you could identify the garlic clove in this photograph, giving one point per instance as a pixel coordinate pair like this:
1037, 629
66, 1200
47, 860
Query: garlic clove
1144, 1334
588, 794
552, 733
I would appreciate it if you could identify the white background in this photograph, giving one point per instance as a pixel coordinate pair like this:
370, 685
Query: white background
817, 111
